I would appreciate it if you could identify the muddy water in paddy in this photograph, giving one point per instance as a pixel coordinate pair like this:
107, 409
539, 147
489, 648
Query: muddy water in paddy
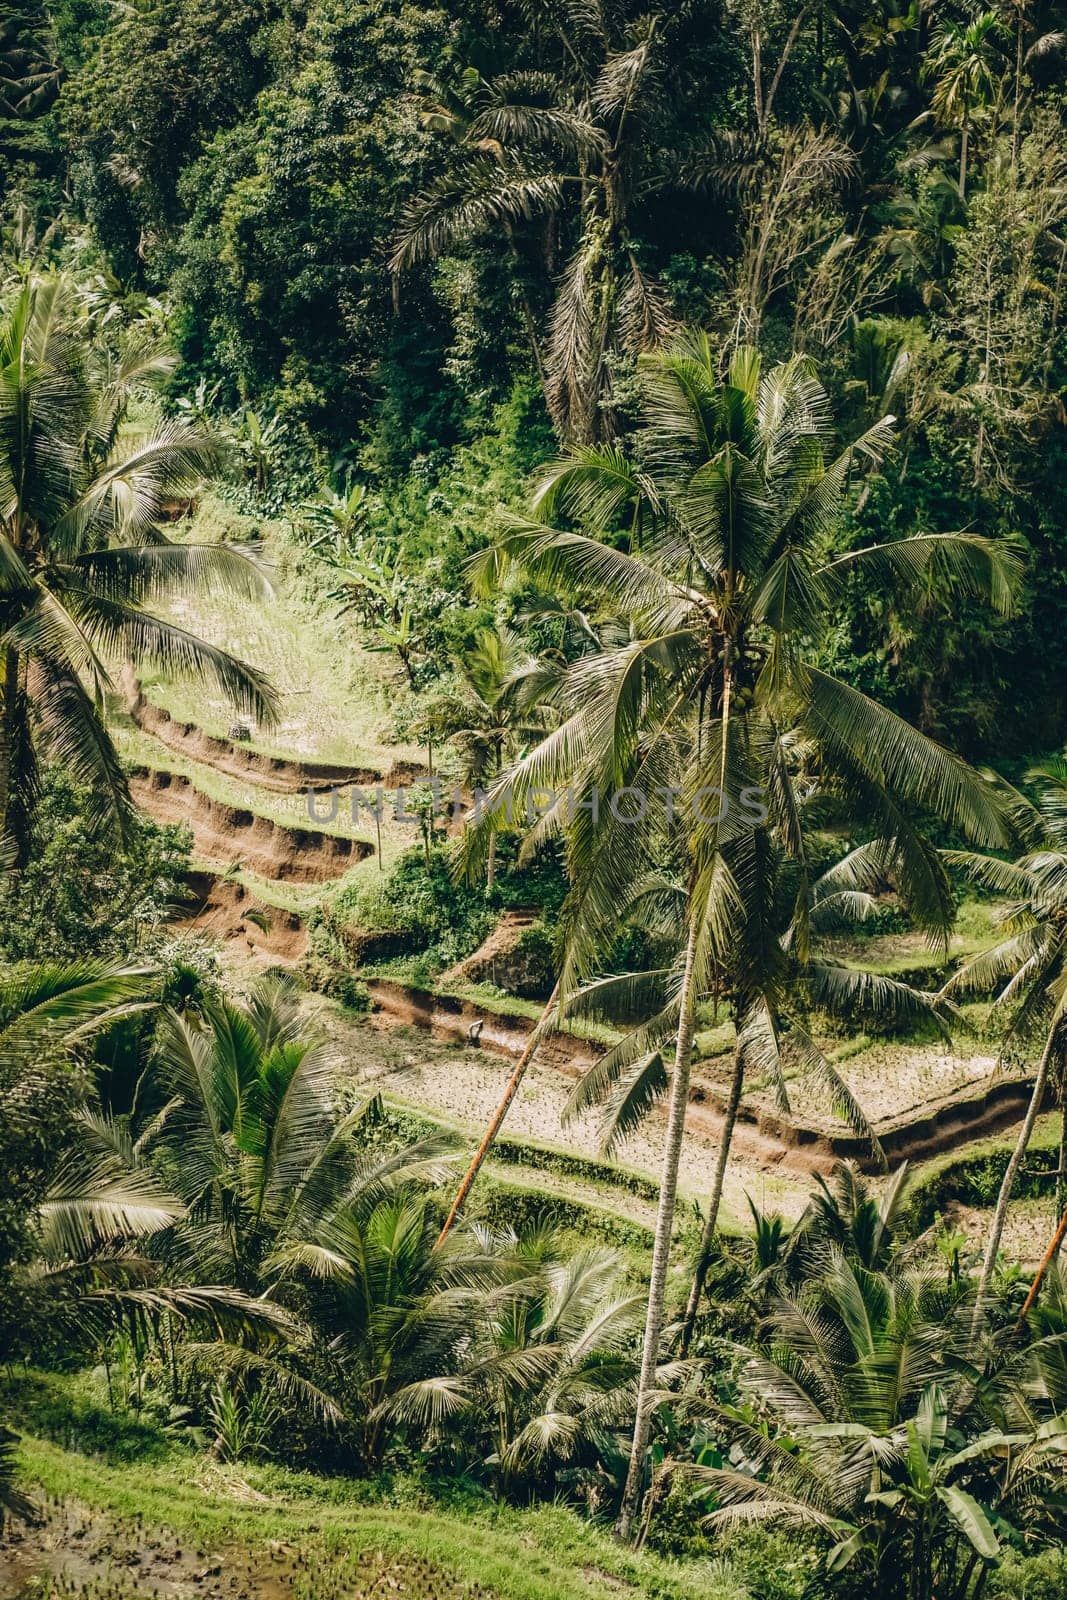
73, 1553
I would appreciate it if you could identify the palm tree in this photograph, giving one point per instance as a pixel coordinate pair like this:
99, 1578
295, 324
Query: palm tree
859, 1421
529, 1364
714, 538
576, 143
253, 1140
967, 67
770, 987
81, 491
92, 1208
30, 73
569, 1326
50, 1004
490, 718
1025, 971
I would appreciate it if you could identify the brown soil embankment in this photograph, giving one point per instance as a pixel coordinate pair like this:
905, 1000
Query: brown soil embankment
226, 833
221, 908
452, 1017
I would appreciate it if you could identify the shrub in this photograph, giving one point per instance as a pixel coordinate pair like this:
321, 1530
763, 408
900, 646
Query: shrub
319, 974
1039, 1577
975, 1180
82, 895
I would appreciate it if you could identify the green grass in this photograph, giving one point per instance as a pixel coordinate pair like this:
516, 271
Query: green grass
334, 1524
1046, 1136
894, 954
337, 697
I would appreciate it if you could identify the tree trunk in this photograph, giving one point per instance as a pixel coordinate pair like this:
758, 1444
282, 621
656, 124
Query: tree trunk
490, 866
963, 161
1018, 91
1061, 1164
662, 1245
510, 1091
757, 75
9, 692
1000, 1213
1039, 1276
708, 1237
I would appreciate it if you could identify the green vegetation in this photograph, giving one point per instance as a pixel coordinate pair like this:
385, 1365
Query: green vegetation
634, 439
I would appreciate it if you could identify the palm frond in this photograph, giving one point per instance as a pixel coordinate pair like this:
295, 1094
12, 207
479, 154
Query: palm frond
484, 194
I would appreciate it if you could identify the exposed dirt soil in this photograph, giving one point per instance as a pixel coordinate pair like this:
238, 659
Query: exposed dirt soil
220, 908
495, 960
480, 967
226, 833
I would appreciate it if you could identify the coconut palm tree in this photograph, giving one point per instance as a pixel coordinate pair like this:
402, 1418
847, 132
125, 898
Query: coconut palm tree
251, 1137
50, 1004
858, 1420
490, 718
392, 1313
770, 987
714, 536
967, 66
574, 143
536, 1369
569, 1325
1025, 971
93, 1210
81, 491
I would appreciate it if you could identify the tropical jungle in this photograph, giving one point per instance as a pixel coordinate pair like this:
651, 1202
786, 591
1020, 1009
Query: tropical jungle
533, 799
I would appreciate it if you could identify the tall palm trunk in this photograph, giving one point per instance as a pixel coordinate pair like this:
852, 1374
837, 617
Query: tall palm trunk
672, 1154
1000, 1213
9, 693
708, 1237
510, 1091
1039, 1276
1061, 1164
661, 1248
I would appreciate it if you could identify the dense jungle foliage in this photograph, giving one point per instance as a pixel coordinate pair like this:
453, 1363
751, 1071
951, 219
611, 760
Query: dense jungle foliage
384, 230
674, 402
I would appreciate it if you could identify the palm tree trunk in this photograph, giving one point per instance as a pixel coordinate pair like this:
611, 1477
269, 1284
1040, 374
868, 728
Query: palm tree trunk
9, 691
672, 1154
708, 1236
490, 866
1046, 1262
963, 160
661, 1248
1000, 1213
1018, 90
510, 1091
756, 39
1061, 1164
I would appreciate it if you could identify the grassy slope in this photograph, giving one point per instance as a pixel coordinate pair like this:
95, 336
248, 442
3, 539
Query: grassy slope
336, 695
548, 1553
